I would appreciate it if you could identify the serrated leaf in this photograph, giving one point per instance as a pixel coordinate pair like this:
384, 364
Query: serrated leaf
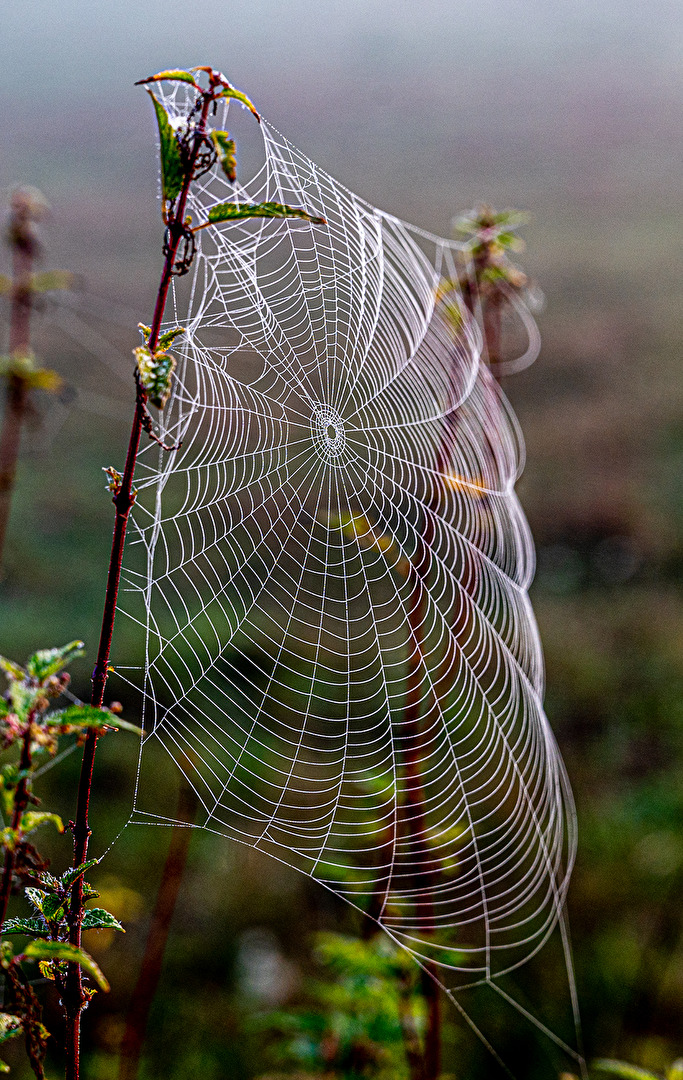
72, 875
172, 170
46, 969
156, 371
623, 1069
10, 1026
53, 908
12, 670
33, 819
89, 716
34, 927
62, 950
231, 211
231, 92
171, 76
47, 662
36, 896
225, 150
99, 919
168, 337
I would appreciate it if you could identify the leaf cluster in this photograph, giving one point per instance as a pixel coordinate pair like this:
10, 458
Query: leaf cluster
29, 721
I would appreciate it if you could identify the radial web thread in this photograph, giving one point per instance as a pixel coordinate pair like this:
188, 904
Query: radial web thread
332, 575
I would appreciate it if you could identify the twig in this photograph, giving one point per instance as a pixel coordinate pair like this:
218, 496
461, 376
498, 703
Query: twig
25, 249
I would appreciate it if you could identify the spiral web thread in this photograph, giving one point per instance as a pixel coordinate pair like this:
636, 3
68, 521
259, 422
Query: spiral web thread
332, 575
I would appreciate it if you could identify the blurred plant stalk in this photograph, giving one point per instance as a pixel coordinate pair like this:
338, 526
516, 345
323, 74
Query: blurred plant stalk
28, 207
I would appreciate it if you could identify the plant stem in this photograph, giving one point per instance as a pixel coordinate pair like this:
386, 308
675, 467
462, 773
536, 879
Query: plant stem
75, 998
24, 252
21, 795
145, 990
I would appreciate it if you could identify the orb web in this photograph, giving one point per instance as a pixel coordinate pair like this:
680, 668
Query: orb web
332, 574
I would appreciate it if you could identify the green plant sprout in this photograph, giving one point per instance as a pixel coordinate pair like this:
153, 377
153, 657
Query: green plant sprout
19, 369
31, 725
489, 282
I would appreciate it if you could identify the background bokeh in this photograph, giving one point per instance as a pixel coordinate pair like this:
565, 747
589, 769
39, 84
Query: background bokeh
573, 111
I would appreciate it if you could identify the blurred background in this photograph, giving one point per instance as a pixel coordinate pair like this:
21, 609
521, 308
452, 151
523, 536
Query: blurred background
572, 111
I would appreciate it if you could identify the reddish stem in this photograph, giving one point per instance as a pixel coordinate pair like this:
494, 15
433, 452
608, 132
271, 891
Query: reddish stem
75, 998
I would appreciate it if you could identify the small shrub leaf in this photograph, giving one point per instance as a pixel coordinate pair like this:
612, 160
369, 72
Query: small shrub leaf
231, 92
12, 670
47, 662
172, 171
231, 211
99, 919
171, 76
53, 908
88, 716
33, 819
62, 950
72, 875
31, 927
225, 149
169, 336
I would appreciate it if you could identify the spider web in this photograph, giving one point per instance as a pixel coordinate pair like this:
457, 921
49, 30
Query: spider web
332, 575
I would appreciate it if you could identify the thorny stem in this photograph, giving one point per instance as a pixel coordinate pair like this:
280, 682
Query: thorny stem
25, 249
21, 798
75, 999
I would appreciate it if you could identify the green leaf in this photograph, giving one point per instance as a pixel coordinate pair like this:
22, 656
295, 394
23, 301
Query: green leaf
172, 169
33, 819
231, 92
47, 662
168, 337
72, 875
89, 716
53, 908
172, 76
225, 149
675, 1070
36, 897
623, 1069
12, 670
231, 211
31, 927
62, 950
155, 370
98, 919
10, 1026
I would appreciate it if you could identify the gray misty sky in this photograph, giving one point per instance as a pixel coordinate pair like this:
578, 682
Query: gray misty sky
422, 106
